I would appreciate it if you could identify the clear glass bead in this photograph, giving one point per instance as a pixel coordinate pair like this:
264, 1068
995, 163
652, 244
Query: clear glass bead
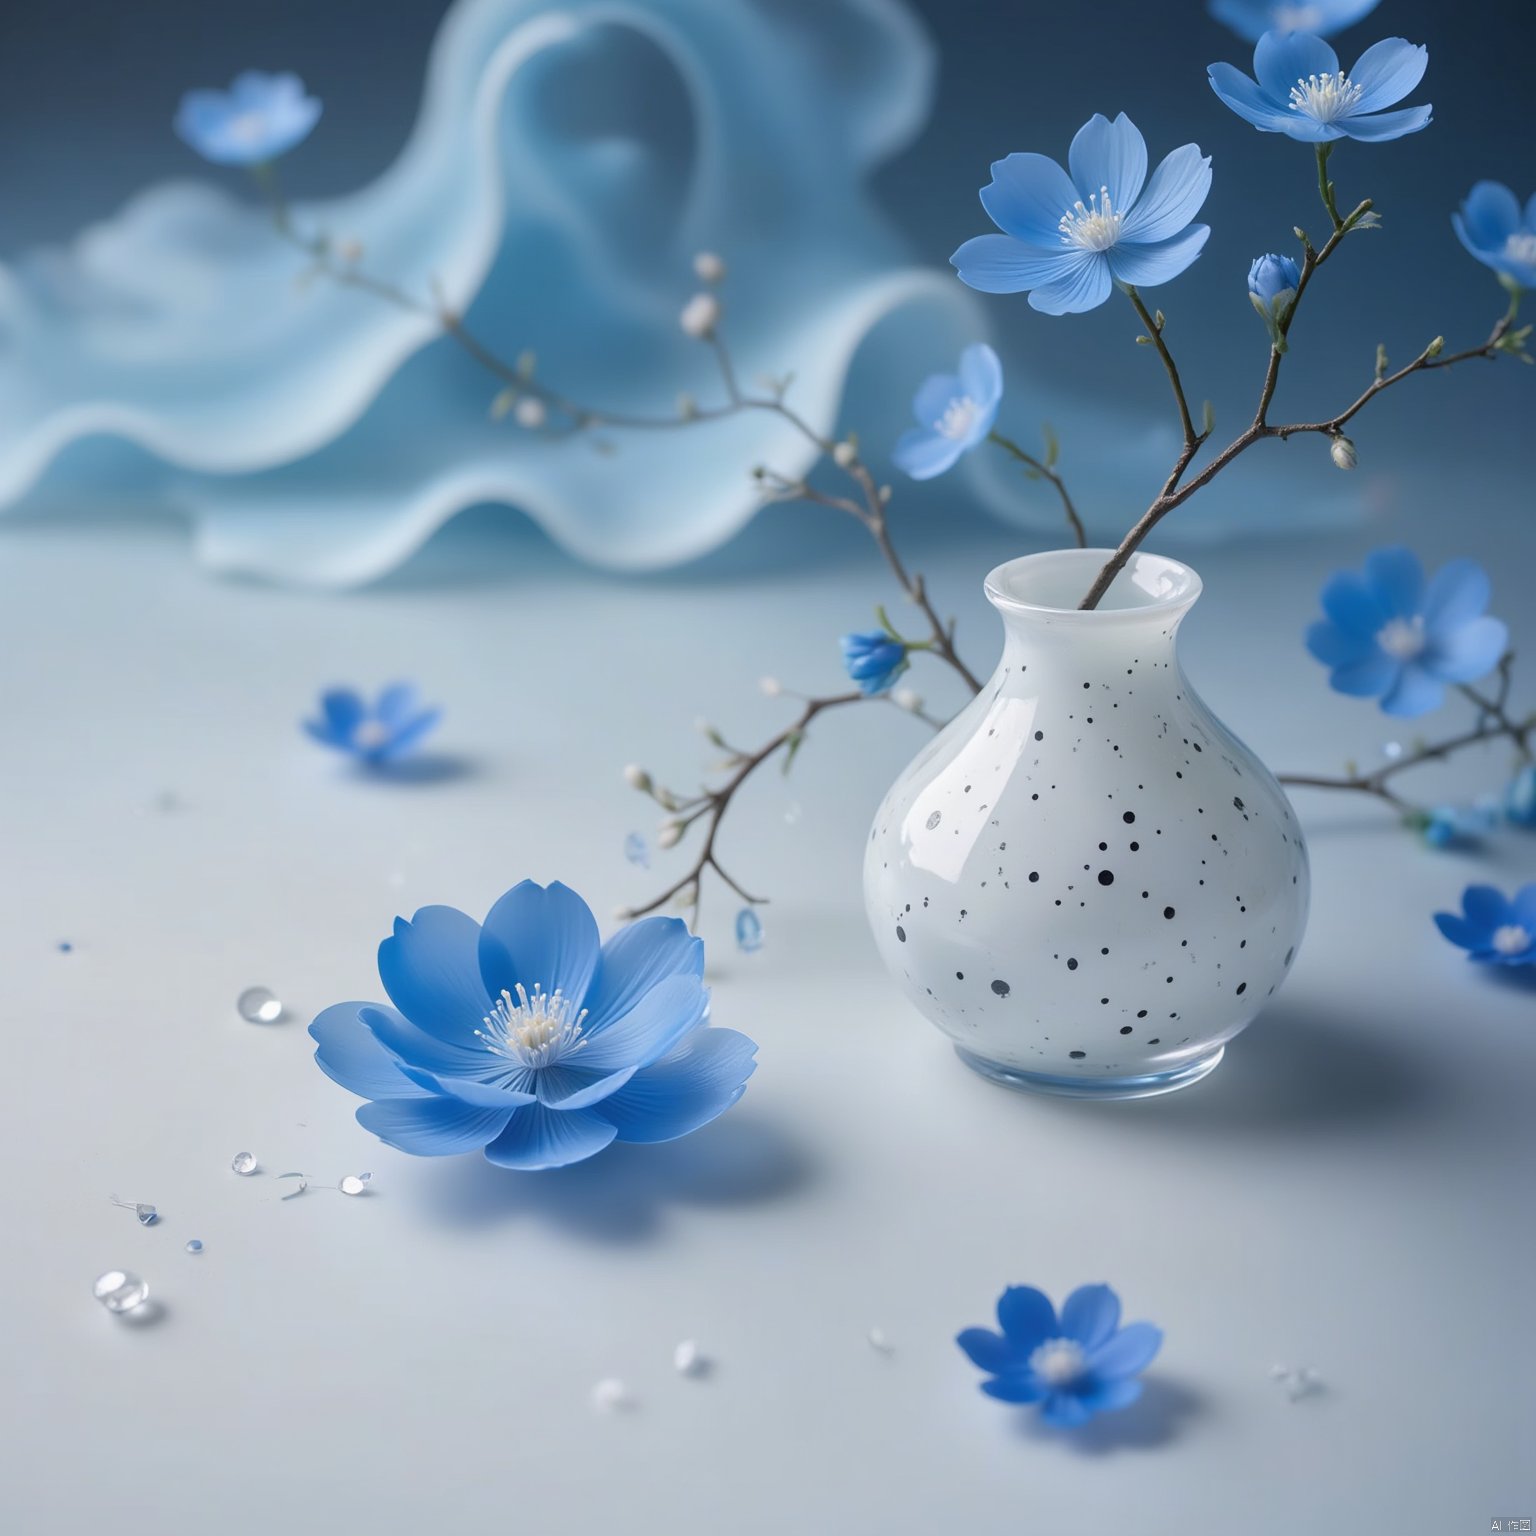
147, 1214
194, 1245
749, 931
259, 1005
120, 1290
244, 1162
354, 1183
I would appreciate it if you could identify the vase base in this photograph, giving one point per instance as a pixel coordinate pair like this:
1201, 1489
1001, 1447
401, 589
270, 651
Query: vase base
1146, 1086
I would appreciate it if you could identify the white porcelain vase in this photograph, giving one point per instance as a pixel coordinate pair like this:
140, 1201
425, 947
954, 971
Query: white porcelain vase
1085, 880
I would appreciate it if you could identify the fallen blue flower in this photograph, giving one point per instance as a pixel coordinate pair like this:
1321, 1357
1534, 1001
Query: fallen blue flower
1391, 635
1076, 1366
392, 727
1068, 239
1493, 227
257, 119
954, 411
1301, 91
529, 1039
1494, 928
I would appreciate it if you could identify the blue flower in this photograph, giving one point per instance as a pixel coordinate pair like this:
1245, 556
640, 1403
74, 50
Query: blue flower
1253, 18
1390, 634
873, 659
257, 119
1301, 91
1458, 826
393, 727
954, 412
1069, 239
1273, 282
1495, 929
1491, 226
1520, 797
1075, 1367
527, 1038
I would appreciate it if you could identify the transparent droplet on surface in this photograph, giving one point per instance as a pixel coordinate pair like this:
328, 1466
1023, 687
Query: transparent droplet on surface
610, 1395
120, 1290
298, 1189
689, 1360
147, 1215
194, 1245
878, 1341
354, 1183
259, 1005
792, 813
65, 947
1391, 750
637, 851
244, 1162
749, 931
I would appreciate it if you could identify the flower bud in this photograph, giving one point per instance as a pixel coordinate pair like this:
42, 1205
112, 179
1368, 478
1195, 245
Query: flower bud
349, 251
700, 316
637, 778
669, 834
844, 454
771, 687
1342, 451
708, 267
530, 412
908, 699
1272, 285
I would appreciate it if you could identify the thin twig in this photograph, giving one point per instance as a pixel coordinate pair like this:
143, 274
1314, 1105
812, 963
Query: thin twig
1046, 472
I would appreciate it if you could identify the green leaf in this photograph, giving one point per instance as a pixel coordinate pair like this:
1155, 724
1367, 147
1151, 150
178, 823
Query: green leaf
1052, 444
791, 747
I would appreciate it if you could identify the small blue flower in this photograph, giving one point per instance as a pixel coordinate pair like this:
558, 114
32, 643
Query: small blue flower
1520, 797
528, 1039
1302, 92
257, 119
1273, 282
1458, 826
954, 412
1495, 929
1390, 634
1077, 1366
394, 726
1253, 18
1068, 239
873, 659
1493, 228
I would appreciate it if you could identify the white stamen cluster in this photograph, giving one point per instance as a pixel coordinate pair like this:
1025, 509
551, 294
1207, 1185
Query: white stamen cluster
1511, 939
370, 734
1521, 247
1325, 97
1094, 226
533, 1031
1058, 1362
958, 418
1402, 639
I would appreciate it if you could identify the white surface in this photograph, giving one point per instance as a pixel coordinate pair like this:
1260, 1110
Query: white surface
1350, 1191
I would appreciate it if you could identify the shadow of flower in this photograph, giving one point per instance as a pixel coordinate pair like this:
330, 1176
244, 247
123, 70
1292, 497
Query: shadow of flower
622, 1194
1157, 1418
422, 768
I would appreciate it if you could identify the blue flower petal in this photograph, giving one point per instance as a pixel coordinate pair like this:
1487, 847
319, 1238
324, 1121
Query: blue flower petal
1280, 59
1490, 215
687, 1088
1026, 1317
923, 453
1108, 154
413, 1047
1090, 1315
1386, 72
1397, 579
506, 1092
1083, 284
1027, 196
1172, 198
1352, 605
1387, 125
1457, 592
409, 734
1065, 1410
325, 733
538, 936
1023, 1387
1486, 907
1245, 97
1460, 931
432, 1127
650, 1029
1336, 647
344, 709
1145, 266
538, 1137
635, 959
571, 1087
1251, 19
987, 1350
1467, 652
430, 968
1415, 693
981, 375
1127, 1352
1366, 679
347, 1051
396, 704
1106, 1396
1002, 264
1523, 907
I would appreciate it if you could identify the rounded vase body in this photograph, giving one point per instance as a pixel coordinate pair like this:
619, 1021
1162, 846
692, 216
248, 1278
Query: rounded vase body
1085, 880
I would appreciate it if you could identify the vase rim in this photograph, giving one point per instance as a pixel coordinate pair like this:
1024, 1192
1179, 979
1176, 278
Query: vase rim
1049, 586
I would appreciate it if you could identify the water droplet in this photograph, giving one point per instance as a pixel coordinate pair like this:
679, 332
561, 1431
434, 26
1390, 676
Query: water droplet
147, 1215
749, 931
194, 1245
610, 1394
65, 947
792, 813
1391, 750
259, 1005
637, 851
293, 1194
878, 1341
689, 1360
244, 1162
120, 1290
354, 1183
934, 820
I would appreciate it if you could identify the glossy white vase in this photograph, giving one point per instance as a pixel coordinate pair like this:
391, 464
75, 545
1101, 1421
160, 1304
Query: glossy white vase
1085, 880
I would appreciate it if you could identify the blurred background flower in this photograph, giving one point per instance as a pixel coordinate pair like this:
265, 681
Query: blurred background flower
1494, 228
395, 724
